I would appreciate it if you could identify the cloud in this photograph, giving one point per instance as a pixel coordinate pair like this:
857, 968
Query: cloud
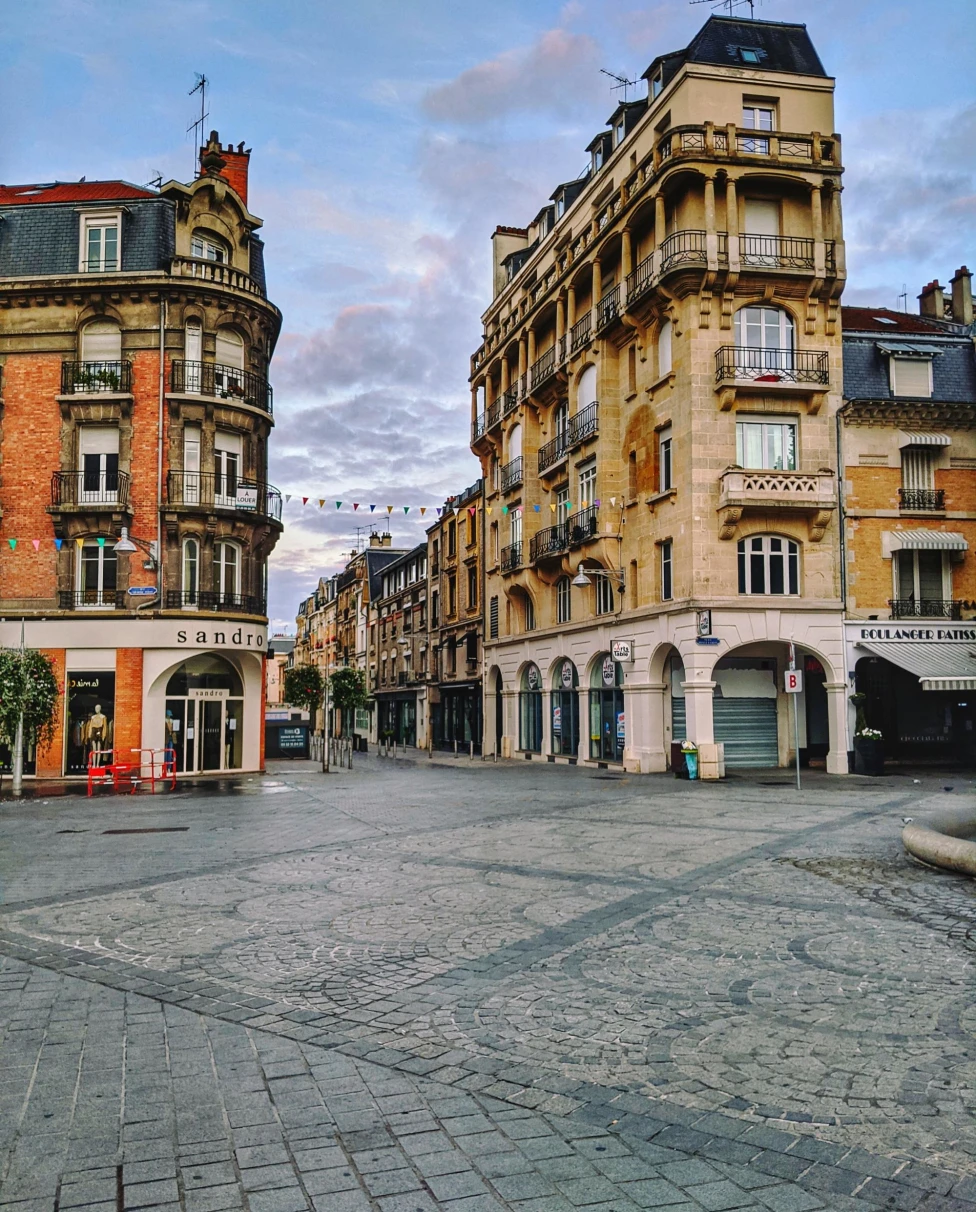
557, 75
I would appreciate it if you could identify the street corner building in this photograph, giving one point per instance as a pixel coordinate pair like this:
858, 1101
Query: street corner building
135, 413
654, 409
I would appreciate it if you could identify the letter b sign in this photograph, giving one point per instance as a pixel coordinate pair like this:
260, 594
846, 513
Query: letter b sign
793, 679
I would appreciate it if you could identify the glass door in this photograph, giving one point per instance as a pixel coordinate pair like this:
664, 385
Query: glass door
211, 725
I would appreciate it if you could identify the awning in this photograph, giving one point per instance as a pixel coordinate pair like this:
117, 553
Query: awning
937, 666
902, 349
925, 540
910, 438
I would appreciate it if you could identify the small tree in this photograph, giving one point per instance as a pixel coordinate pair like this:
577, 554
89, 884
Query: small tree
29, 695
304, 687
347, 687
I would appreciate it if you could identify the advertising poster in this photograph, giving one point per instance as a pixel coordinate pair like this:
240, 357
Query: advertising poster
91, 717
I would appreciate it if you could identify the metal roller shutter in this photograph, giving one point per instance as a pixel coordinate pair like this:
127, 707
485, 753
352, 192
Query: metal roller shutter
747, 728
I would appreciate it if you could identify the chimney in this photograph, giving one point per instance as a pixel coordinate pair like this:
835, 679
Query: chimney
931, 301
962, 296
228, 162
381, 540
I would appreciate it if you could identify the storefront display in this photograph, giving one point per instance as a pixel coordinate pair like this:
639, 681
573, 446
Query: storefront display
90, 717
565, 710
607, 724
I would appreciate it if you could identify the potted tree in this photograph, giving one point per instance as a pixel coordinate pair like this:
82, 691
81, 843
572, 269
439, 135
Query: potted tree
29, 696
868, 742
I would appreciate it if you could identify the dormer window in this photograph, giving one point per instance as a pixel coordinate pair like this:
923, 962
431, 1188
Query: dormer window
657, 84
619, 132
598, 157
560, 206
207, 248
101, 245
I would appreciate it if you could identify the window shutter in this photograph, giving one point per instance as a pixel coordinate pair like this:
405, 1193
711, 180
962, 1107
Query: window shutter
911, 377
101, 341
762, 217
917, 468
493, 619
230, 349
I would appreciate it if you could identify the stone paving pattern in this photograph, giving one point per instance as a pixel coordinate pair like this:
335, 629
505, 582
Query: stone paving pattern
480, 987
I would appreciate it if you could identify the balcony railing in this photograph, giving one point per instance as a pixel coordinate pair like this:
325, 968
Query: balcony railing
239, 603
918, 499
210, 490
776, 252
510, 401
683, 248
580, 333
214, 271
553, 452
933, 608
512, 474
640, 280
494, 414
582, 525
477, 427
549, 542
511, 557
608, 308
223, 382
584, 424
93, 378
84, 488
543, 368
92, 599
750, 363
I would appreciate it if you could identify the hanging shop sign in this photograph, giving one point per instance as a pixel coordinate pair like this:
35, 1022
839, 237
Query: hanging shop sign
622, 650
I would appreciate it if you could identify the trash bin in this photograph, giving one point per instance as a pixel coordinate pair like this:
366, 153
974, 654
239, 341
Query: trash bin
678, 765
689, 751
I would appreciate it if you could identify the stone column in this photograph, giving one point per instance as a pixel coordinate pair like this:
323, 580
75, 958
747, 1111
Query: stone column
523, 356
837, 714
570, 307
626, 253
711, 232
596, 289
505, 375
837, 231
732, 222
816, 224
644, 746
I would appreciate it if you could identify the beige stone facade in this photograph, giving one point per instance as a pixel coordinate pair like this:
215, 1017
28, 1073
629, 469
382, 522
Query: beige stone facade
654, 406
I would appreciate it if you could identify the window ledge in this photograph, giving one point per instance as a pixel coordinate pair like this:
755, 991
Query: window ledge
664, 380
668, 495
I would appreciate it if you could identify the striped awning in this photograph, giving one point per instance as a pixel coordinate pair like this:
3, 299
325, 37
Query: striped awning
902, 349
937, 666
926, 540
910, 438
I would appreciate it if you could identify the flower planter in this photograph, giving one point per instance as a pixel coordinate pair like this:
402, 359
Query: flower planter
868, 756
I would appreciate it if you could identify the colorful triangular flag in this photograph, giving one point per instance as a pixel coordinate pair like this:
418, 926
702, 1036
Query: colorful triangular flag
371, 508
13, 544
488, 510
304, 500
321, 502
57, 543
423, 510
287, 497
78, 542
406, 509
472, 509
504, 509
537, 508
36, 544
338, 504
100, 541
613, 500
552, 506
355, 506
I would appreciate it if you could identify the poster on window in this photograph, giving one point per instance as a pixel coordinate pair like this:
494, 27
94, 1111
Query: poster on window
91, 717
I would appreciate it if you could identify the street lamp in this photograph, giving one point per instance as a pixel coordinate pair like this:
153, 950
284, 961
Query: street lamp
128, 546
582, 578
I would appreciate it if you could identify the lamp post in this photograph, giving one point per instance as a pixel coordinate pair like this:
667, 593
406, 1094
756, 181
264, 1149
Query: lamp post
582, 578
325, 723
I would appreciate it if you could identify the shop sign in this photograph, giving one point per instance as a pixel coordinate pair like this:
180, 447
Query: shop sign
291, 738
532, 677
918, 633
793, 681
703, 622
206, 692
609, 671
566, 675
707, 641
622, 650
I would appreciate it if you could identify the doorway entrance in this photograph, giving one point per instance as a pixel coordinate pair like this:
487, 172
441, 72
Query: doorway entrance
205, 715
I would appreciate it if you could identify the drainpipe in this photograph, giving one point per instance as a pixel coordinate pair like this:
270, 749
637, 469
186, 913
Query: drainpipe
159, 451
842, 523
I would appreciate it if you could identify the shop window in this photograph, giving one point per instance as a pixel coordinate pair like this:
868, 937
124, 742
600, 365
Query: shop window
205, 715
530, 710
768, 445
565, 709
90, 717
607, 721
768, 565
564, 608
101, 246
96, 573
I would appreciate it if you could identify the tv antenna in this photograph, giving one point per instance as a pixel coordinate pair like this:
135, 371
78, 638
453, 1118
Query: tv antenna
903, 297
622, 82
197, 126
360, 531
156, 181
729, 5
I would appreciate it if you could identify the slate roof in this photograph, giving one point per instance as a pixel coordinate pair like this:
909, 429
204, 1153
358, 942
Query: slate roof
785, 47
882, 319
866, 365
71, 191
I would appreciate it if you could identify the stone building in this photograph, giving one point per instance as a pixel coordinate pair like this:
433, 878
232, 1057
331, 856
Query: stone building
135, 342
398, 650
654, 408
908, 452
455, 558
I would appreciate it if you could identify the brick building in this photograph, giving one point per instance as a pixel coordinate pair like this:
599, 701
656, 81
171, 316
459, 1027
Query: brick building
135, 342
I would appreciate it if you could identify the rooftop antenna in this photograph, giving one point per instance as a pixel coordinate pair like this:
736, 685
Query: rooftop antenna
903, 297
360, 531
156, 180
197, 126
729, 5
622, 82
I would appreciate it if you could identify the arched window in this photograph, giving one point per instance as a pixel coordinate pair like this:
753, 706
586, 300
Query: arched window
515, 443
205, 732
560, 423
530, 710
229, 363
586, 389
769, 565
205, 246
227, 573
191, 572
529, 614
192, 355
101, 341
565, 709
607, 710
564, 609
664, 349
764, 337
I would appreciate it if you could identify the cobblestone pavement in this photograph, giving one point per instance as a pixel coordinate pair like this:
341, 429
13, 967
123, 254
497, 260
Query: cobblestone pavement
470, 987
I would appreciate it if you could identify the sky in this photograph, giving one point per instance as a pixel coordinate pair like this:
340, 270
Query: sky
390, 137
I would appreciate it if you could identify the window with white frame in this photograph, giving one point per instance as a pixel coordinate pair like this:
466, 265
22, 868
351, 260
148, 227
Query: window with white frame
227, 571
96, 573
206, 247
587, 484
667, 572
192, 436
564, 608
760, 118
657, 83
767, 444
98, 455
229, 359
515, 519
910, 377
604, 595
101, 341
769, 565
665, 471
764, 338
192, 353
191, 572
101, 246
227, 467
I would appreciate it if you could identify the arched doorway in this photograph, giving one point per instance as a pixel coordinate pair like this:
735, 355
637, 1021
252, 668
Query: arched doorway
607, 721
530, 710
205, 715
565, 709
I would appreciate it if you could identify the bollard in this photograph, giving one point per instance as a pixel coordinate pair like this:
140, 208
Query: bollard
350, 752
394, 749
471, 751
455, 748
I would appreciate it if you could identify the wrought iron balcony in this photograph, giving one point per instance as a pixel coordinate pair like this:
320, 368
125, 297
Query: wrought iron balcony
84, 489
932, 608
553, 452
200, 600
222, 382
94, 378
511, 474
640, 280
510, 399
493, 414
581, 333
776, 252
582, 525
209, 490
511, 557
749, 363
916, 500
543, 368
584, 424
92, 599
683, 248
477, 427
608, 309
549, 542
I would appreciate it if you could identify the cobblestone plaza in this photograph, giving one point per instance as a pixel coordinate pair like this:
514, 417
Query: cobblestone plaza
470, 987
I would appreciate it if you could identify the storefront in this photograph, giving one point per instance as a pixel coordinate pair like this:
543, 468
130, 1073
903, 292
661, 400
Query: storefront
397, 718
919, 684
565, 710
530, 710
458, 717
607, 720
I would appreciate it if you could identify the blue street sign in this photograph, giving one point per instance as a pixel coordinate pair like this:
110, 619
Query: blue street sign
142, 591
